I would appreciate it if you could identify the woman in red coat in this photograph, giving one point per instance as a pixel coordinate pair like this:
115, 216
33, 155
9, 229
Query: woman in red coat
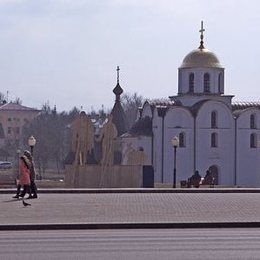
25, 175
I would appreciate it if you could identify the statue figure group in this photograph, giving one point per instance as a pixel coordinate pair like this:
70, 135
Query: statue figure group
108, 136
132, 156
104, 150
83, 140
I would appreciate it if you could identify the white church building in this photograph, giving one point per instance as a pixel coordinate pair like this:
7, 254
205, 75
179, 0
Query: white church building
214, 132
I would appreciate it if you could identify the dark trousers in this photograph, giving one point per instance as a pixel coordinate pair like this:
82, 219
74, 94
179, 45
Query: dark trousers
18, 189
26, 189
33, 188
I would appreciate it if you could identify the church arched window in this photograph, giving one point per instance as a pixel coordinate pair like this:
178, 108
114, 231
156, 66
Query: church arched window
191, 83
253, 141
213, 119
252, 121
214, 140
182, 141
206, 83
219, 82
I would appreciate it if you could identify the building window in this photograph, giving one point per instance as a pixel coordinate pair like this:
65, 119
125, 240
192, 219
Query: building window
9, 130
9, 119
214, 140
219, 82
253, 141
191, 83
252, 121
214, 119
206, 83
182, 140
17, 130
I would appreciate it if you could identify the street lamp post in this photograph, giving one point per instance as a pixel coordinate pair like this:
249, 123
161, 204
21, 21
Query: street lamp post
31, 143
18, 161
175, 144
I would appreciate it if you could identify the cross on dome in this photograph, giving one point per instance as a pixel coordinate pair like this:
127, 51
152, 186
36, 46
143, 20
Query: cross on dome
201, 57
118, 69
202, 30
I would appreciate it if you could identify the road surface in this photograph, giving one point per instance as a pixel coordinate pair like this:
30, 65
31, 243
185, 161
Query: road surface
163, 244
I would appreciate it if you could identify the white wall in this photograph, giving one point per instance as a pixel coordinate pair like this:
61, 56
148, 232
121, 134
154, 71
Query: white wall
223, 155
177, 120
248, 159
157, 146
184, 73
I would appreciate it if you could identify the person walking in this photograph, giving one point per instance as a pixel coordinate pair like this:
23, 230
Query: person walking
24, 177
33, 194
18, 188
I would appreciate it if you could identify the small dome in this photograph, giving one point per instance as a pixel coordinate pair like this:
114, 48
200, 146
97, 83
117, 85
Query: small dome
201, 58
118, 90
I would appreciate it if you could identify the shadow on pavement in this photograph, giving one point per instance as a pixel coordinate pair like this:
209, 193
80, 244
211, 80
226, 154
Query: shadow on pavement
11, 200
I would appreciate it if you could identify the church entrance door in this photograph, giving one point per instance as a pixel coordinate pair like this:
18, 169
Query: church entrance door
214, 171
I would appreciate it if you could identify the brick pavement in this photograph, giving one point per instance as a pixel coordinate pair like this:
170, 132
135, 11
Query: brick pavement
132, 208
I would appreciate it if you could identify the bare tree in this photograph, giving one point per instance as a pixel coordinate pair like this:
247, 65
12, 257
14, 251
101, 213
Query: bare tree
49, 129
131, 103
18, 101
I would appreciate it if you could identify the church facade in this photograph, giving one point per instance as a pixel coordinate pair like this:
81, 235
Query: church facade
214, 133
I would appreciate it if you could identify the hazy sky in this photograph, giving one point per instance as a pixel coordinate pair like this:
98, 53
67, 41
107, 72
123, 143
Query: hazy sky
66, 51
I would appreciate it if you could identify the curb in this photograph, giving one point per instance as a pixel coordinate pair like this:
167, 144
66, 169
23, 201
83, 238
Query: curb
87, 226
144, 190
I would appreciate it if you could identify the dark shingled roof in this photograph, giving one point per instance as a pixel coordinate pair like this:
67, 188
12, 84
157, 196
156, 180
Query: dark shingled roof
142, 127
118, 113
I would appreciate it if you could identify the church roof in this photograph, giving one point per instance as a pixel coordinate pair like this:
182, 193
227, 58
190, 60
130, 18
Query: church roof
201, 58
119, 118
162, 105
118, 90
141, 127
239, 105
161, 102
118, 113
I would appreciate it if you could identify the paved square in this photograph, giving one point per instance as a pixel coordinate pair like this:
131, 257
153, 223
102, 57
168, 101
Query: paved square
132, 208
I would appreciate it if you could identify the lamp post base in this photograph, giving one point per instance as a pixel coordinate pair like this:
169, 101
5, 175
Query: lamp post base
174, 178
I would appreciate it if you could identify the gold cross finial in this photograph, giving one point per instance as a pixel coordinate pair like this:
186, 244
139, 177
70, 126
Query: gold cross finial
202, 30
118, 69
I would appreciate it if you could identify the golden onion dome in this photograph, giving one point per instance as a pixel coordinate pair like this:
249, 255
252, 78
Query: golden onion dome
201, 58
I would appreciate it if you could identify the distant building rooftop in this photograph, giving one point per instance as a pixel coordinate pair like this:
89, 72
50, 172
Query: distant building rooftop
17, 107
